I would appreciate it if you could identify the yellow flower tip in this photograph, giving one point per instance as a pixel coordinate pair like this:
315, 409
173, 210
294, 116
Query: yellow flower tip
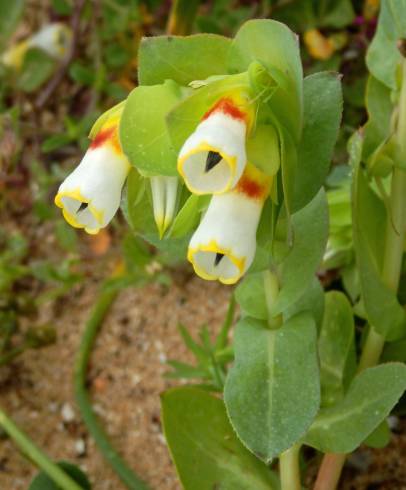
318, 46
92, 231
208, 263
160, 224
72, 217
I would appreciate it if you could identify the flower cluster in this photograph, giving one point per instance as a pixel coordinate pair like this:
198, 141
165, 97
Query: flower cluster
213, 160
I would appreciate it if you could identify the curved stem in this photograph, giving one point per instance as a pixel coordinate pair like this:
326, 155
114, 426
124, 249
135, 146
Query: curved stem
128, 477
289, 469
330, 471
62, 479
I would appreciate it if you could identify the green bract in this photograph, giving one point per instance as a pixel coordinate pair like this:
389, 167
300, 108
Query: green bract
143, 133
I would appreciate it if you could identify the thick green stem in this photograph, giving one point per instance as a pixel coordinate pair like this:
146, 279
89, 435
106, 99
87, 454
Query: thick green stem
182, 17
128, 477
55, 473
332, 464
289, 470
271, 287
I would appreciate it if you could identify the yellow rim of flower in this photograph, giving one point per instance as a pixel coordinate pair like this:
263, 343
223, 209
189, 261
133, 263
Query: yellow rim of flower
212, 246
70, 218
230, 160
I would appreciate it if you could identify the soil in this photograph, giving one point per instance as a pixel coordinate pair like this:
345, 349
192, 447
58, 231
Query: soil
126, 378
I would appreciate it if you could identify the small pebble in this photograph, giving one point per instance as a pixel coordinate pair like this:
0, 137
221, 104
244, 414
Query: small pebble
80, 447
68, 415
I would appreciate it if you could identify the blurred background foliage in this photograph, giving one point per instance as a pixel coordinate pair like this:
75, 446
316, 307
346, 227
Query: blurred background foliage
48, 105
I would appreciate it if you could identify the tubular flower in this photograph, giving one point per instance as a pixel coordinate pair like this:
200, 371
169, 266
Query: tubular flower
91, 194
164, 192
55, 39
223, 246
213, 158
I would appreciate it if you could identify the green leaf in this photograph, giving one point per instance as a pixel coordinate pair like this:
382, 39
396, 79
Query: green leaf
323, 107
37, 67
186, 115
289, 164
276, 47
187, 218
137, 206
296, 271
383, 55
335, 345
250, 295
143, 132
382, 307
380, 437
272, 392
303, 15
43, 482
370, 398
311, 301
183, 59
10, 14
395, 351
263, 149
204, 447
379, 107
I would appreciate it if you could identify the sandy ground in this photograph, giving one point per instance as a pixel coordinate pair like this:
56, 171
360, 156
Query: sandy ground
126, 377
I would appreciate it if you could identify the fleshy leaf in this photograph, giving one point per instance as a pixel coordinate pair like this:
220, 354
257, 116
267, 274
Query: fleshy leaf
323, 107
383, 55
381, 304
183, 59
276, 47
297, 268
204, 447
370, 398
335, 345
143, 133
272, 392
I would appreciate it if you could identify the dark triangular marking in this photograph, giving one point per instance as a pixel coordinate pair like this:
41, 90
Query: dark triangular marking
213, 158
218, 258
82, 207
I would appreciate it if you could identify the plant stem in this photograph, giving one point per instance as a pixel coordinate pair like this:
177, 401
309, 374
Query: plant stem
289, 469
129, 478
289, 460
332, 464
271, 287
182, 17
62, 479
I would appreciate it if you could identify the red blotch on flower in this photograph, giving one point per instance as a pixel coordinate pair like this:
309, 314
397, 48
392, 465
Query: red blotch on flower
251, 188
227, 107
108, 135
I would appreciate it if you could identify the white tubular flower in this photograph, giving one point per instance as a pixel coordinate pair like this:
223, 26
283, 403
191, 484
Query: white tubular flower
223, 246
213, 158
90, 196
55, 39
164, 193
